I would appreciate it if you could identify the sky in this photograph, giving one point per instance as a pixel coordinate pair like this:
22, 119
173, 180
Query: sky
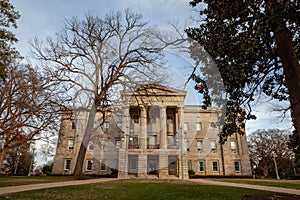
42, 18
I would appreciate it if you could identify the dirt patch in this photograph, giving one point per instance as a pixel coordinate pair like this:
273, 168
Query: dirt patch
271, 197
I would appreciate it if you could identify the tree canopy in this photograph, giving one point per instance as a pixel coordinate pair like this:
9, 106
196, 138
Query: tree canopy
255, 45
8, 18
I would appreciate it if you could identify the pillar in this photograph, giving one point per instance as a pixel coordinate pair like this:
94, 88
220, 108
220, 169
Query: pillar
163, 128
163, 166
143, 130
142, 165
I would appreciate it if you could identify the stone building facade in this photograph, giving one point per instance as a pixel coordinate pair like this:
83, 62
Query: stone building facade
153, 135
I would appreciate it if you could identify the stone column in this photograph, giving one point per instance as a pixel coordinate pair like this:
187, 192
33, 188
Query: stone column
125, 126
163, 128
123, 153
143, 130
142, 165
180, 118
163, 166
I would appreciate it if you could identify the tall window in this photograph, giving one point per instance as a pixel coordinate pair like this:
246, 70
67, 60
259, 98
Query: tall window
116, 164
237, 166
89, 165
133, 164
211, 125
170, 119
186, 126
119, 125
67, 164
91, 146
233, 145
106, 125
105, 145
213, 145
201, 166
71, 144
199, 145
117, 144
198, 126
136, 119
187, 144
152, 140
189, 165
103, 165
73, 124
215, 166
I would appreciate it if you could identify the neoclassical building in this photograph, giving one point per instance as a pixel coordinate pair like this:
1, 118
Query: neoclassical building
153, 134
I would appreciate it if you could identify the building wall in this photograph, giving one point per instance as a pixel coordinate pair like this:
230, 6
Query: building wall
157, 136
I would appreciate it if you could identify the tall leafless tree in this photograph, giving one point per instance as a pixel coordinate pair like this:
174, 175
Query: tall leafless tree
27, 107
94, 57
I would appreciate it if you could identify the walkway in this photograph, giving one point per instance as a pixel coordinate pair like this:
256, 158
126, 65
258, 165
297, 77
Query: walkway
249, 186
22, 188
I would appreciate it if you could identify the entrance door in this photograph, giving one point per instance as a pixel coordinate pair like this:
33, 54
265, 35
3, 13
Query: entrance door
152, 165
172, 167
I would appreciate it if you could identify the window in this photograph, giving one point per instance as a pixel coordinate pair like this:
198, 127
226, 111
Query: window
135, 119
73, 124
169, 119
237, 166
119, 125
199, 145
189, 165
153, 120
71, 144
186, 126
201, 166
211, 125
67, 164
91, 146
105, 145
213, 145
152, 140
89, 165
187, 144
102, 165
198, 126
215, 166
133, 164
106, 125
233, 144
117, 144
116, 164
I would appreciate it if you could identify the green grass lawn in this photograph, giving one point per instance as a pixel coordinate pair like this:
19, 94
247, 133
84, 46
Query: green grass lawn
25, 180
138, 189
294, 184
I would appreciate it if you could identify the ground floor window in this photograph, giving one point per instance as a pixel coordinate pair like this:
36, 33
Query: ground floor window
201, 166
89, 165
116, 164
215, 166
102, 165
133, 164
67, 164
237, 166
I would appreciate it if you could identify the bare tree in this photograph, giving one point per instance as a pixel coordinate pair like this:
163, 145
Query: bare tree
95, 57
264, 144
26, 107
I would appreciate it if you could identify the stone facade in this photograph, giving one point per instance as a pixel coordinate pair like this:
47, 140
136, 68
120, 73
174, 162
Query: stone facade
153, 135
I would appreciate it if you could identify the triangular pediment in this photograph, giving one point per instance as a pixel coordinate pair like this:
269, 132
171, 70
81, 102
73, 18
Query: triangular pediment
155, 89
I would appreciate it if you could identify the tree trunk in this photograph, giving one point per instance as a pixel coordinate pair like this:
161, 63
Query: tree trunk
289, 59
84, 143
2, 155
